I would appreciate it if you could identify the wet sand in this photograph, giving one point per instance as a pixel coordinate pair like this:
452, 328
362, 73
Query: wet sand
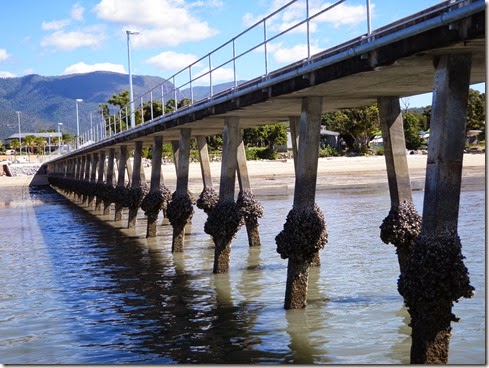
335, 173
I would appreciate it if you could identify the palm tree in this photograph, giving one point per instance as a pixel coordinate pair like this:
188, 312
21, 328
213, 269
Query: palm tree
40, 142
30, 143
15, 144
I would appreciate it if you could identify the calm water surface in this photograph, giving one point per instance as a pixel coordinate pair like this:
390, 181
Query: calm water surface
76, 290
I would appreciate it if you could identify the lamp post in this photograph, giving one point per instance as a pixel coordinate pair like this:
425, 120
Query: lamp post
59, 138
77, 124
20, 137
131, 94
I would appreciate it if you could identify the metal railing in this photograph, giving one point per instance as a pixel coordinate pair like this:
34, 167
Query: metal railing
151, 105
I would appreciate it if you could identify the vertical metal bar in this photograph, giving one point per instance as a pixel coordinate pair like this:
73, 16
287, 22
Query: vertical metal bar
211, 90
120, 121
308, 31
234, 63
175, 94
369, 29
162, 100
142, 111
191, 89
265, 45
151, 99
127, 116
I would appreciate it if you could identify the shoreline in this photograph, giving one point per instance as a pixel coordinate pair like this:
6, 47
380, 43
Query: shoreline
334, 173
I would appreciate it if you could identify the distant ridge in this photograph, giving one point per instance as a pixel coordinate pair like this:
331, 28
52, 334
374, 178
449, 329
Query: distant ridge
46, 101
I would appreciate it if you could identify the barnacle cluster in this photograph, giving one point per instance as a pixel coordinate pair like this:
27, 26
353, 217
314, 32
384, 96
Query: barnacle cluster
249, 207
180, 210
136, 194
223, 221
207, 199
120, 196
156, 200
435, 274
303, 235
401, 226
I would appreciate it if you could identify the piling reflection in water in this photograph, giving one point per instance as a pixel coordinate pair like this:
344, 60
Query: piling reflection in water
111, 295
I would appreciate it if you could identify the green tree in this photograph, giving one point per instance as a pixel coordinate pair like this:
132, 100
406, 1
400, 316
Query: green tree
40, 142
412, 126
15, 145
357, 126
476, 111
30, 142
268, 135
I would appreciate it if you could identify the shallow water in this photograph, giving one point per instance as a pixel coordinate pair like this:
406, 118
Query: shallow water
76, 290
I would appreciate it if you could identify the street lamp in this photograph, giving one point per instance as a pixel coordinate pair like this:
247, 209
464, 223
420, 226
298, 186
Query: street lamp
131, 94
20, 137
59, 138
77, 124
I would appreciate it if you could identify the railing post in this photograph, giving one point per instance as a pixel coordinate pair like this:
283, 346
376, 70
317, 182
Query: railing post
265, 45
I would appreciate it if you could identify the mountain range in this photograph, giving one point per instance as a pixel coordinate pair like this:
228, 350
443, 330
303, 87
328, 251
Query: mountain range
46, 101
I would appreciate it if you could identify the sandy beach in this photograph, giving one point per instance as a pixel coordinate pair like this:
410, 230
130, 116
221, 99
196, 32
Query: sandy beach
334, 173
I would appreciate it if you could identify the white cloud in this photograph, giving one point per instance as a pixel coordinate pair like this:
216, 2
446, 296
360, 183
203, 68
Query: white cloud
4, 55
61, 40
342, 14
55, 25
4, 74
77, 12
161, 23
81, 67
171, 60
284, 55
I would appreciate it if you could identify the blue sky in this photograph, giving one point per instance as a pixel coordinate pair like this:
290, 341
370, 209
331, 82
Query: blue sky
59, 37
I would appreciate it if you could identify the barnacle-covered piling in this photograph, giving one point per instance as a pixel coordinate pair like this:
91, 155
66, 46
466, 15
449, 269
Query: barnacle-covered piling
155, 201
135, 196
304, 234
251, 210
207, 199
434, 278
222, 224
180, 211
401, 227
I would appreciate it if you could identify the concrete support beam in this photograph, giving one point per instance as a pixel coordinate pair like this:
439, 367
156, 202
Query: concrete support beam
403, 223
121, 169
205, 166
225, 217
93, 176
135, 183
301, 250
180, 209
250, 207
109, 178
156, 180
100, 180
435, 275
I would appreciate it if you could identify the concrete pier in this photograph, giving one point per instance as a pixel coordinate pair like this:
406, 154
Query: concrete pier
119, 190
435, 276
138, 188
208, 197
180, 209
224, 220
100, 181
304, 232
109, 181
403, 223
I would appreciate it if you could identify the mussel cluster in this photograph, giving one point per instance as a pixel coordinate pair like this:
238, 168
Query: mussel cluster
137, 194
72, 186
156, 200
207, 199
249, 207
435, 274
401, 227
303, 235
120, 195
223, 221
180, 210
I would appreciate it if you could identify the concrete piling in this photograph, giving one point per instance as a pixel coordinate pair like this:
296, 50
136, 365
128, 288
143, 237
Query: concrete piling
304, 232
435, 275
180, 209
109, 181
119, 190
138, 188
403, 223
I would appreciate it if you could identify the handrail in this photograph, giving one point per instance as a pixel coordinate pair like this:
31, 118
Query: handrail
117, 123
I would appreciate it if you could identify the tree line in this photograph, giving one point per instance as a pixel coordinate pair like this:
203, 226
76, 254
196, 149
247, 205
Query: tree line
356, 127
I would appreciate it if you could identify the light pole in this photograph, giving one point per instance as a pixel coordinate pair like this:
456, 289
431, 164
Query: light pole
20, 137
59, 138
77, 124
131, 94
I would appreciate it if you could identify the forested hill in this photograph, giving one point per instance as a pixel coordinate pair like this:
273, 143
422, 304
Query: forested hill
46, 101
